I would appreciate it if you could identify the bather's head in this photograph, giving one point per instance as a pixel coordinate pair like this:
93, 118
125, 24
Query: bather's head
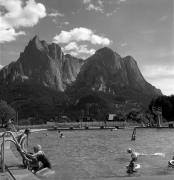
37, 148
129, 150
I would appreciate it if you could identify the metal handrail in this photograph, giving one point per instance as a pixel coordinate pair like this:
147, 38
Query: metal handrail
22, 153
3, 148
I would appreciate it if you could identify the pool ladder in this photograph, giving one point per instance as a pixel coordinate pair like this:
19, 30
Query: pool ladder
14, 141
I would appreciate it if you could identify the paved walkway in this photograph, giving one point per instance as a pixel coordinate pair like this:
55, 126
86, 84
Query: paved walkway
15, 167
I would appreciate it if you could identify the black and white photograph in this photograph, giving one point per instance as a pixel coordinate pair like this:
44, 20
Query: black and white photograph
86, 89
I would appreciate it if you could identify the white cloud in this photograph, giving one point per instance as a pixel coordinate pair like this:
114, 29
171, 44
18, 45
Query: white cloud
95, 39
71, 46
94, 5
165, 85
154, 71
66, 23
95, 8
81, 34
7, 35
18, 14
60, 24
73, 53
1, 66
111, 13
55, 13
161, 77
78, 50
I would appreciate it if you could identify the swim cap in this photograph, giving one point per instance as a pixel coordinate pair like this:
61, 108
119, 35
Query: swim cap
129, 150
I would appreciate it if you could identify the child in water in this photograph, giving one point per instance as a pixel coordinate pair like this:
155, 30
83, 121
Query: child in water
131, 167
60, 134
134, 157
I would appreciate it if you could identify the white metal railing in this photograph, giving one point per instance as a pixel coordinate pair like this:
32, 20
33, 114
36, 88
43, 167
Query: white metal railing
3, 148
13, 140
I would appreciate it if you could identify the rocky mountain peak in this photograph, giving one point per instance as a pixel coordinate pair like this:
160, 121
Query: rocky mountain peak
107, 71
105, 50
55, 51
44, 64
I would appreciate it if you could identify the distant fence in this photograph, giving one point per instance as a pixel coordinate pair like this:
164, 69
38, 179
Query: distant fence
78, 124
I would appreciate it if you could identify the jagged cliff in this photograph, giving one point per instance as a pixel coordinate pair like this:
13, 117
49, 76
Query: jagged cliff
43, 63
106, 71
36, 84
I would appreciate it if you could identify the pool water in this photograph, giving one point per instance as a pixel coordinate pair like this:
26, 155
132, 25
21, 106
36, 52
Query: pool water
102, 154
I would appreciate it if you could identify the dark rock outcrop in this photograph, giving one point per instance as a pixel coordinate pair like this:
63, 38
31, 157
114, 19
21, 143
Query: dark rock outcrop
106, 71
43, 63
105, 74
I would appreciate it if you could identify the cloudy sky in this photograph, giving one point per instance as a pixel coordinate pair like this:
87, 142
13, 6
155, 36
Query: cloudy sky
140, 28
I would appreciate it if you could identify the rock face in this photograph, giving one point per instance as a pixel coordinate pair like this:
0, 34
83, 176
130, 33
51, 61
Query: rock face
106, 71
36, 82
43, 63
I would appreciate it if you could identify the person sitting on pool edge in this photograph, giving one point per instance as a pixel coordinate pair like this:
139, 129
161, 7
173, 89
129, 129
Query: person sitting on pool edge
42, 160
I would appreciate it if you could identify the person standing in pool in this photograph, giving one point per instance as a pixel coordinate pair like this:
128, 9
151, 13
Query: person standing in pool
134, 157
60, 134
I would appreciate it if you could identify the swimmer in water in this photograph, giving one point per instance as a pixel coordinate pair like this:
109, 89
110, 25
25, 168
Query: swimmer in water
134, 158
134, 155
131, 166
60, 134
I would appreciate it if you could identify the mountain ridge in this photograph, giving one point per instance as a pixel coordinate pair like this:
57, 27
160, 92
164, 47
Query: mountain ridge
43, 63
105, 79
109, 66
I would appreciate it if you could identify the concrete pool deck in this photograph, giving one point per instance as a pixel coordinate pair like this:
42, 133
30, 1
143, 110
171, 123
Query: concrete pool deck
17, 172
14, 168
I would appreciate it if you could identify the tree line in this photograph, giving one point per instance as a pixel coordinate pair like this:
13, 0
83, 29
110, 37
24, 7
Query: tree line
166, 103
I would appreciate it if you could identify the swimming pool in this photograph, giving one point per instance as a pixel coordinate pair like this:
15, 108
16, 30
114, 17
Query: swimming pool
102, 153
